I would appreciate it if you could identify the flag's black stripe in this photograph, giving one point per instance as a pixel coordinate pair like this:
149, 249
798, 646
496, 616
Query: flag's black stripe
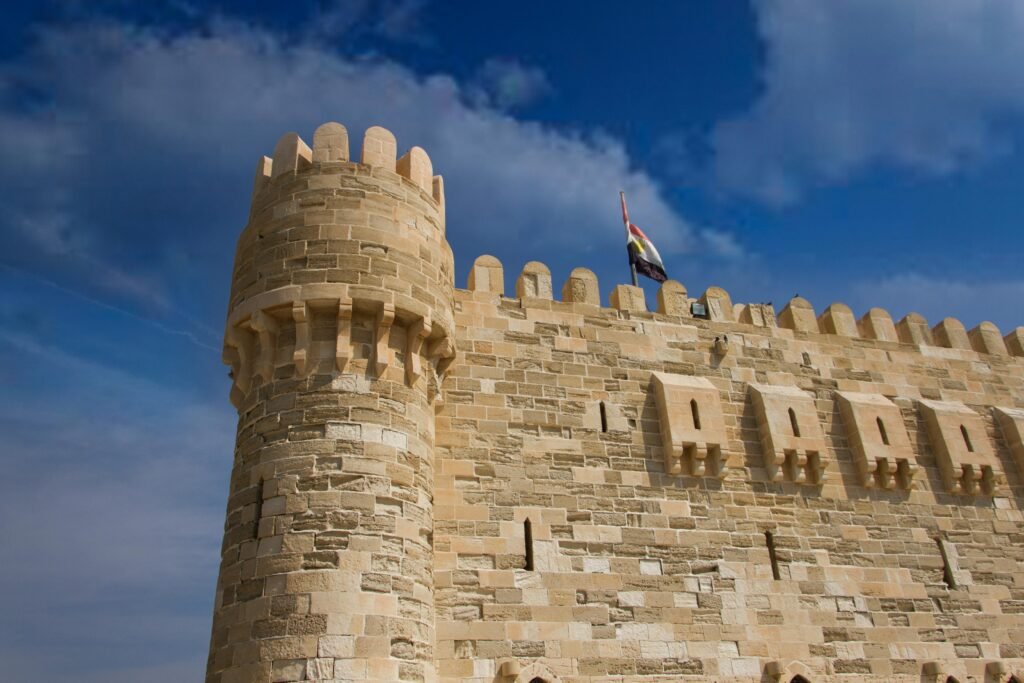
649, 270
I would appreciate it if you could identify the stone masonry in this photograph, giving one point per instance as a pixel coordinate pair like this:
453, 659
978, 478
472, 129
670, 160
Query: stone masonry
440, 484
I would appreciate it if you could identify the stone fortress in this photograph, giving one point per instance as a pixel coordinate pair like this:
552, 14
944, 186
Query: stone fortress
441, 484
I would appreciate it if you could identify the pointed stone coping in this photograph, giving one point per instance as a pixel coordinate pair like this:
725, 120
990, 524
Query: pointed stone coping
264, 168
330, 143
758, 315
437, 185
986, 338
951, 334
877, 324
628, 298
798, 315
487, 275
838, 319
417, 167
534, 282
380, 148
913, 329
581, 288
718, 304
291, 154
672, 299
1014, 341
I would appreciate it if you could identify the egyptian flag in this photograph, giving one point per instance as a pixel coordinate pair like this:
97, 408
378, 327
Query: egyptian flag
642, 254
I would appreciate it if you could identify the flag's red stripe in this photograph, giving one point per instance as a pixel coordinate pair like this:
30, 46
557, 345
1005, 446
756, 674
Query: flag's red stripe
638, 232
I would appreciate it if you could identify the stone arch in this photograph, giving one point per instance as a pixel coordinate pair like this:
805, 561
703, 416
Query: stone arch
788, 672
537, 672
943, 672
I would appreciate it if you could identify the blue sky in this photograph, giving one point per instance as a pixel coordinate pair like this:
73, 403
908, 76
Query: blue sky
867, 152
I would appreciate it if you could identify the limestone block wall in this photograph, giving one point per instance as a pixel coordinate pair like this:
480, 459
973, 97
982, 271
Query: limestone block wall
439, 484
551, 455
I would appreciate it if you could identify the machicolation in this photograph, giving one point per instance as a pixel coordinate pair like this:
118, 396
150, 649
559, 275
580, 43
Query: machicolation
442, 484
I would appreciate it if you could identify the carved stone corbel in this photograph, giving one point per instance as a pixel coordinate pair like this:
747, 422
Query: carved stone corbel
301, 354
441, 353
415, 336
267, 328
343, 345
382, 351
241, 341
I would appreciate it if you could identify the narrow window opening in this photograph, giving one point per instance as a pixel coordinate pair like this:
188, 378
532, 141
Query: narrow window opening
967, 439
798, 679
696, 413
528, 540
604, 418
947, 570
259, 510
769, 540
537, 680
792, 422
881, 430
950, 679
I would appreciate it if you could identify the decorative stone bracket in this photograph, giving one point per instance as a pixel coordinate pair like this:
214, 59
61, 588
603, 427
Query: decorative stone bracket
791, 436
251, 337
692, 426
878, 439
1012, 422
965, 458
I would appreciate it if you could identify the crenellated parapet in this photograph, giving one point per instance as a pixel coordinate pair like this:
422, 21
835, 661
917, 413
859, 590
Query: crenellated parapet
534, 285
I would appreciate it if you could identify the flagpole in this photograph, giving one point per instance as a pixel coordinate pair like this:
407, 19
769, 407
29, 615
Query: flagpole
625, 222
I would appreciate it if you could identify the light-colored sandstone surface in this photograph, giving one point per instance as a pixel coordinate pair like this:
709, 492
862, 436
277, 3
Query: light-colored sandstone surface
441, 484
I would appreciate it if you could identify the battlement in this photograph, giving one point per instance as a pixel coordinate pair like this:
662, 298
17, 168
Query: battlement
534, 289
292, 156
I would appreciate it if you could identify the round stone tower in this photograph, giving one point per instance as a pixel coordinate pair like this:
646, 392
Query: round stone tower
339, 329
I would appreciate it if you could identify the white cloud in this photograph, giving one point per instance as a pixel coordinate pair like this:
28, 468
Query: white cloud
508, 84
850, 84
937, 298
163, 131
721, 243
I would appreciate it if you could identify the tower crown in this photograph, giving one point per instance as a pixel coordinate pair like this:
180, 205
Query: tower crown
329, 234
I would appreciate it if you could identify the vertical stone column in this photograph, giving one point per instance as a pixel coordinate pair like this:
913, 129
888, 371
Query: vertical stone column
339, 331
